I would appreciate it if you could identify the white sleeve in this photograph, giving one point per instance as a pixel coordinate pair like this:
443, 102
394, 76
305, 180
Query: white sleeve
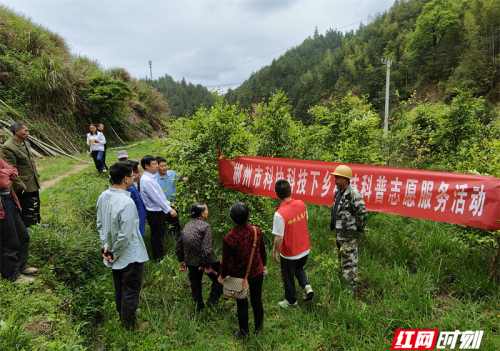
278, 225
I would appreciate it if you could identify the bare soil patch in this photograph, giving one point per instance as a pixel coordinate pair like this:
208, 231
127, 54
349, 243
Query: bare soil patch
76, 169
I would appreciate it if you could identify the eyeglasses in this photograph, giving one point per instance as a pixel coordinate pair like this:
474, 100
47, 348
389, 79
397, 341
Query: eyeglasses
132, 176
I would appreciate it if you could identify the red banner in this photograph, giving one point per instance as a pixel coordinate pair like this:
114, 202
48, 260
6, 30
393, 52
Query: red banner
466, 199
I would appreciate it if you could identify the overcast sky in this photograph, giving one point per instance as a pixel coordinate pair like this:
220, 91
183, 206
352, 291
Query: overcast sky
200, 40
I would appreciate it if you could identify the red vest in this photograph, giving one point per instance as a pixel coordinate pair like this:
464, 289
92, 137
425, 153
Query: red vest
296, 239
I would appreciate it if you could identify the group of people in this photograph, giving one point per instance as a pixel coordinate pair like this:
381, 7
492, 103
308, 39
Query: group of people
20, 203
136, 197
119, 226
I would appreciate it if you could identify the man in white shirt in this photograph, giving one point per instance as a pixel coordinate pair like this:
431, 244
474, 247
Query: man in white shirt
157, 205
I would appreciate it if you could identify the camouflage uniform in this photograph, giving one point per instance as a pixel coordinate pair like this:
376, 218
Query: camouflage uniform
350, 220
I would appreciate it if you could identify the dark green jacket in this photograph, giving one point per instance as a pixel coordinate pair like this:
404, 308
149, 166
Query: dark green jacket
16, 155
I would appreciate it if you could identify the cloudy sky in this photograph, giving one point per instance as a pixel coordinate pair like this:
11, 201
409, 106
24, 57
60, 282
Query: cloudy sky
217, 43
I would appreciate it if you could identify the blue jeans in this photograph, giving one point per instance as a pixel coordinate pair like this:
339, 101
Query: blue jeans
14, 240
97, 156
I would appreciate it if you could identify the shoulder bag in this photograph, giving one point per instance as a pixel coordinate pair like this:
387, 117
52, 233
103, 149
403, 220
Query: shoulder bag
237, 288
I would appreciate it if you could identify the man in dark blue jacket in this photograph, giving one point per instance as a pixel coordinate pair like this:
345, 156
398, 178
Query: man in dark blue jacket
134, 194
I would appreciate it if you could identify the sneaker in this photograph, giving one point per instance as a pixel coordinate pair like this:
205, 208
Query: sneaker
286, 304
22, 279
308, 293
30, 270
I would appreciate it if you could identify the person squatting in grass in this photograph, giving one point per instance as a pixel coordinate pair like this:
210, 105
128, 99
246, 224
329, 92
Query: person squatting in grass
136, 196
236, 250
194, 251
14, 236
348, 219
96, 141
157, 205
123, 248
17, 153
291, 244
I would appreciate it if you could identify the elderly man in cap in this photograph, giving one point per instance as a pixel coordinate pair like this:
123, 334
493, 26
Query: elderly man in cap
122, 156
348, 218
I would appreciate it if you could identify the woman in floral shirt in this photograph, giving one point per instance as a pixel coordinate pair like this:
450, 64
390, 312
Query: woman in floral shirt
194, 251
236, 252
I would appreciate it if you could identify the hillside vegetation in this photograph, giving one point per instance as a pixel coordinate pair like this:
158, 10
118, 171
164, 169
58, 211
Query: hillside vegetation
435, 46
55, 91
183, 98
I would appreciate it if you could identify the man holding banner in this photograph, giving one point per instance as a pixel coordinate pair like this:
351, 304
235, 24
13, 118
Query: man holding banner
348, 218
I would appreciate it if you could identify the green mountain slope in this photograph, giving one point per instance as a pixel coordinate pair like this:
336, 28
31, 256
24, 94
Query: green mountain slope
434, 46
183, 98
45, 85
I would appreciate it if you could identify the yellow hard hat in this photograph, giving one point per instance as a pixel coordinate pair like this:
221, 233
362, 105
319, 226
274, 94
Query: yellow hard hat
343, 171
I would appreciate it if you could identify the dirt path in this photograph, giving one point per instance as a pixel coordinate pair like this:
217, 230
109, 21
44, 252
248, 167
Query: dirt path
45, 184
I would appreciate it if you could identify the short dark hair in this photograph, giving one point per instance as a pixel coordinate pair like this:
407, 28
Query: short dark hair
197, 209
282, 189
160, 159
239, 213
146, 160
17, 125
119, 170
135, 166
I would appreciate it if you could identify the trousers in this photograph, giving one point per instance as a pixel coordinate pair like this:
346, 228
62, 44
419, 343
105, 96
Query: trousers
30, 203
99, 164
128, 283
255, 286
156, 221
195, 278
347, 245
289, 270
14, 240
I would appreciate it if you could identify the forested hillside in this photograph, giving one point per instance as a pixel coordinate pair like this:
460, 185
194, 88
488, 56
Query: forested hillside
55, 91
435, 46
183, 98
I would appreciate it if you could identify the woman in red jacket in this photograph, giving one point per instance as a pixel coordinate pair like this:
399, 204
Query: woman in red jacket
236, 251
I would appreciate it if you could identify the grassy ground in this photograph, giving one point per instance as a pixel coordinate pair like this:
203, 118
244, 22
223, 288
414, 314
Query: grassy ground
413, 274
51, 167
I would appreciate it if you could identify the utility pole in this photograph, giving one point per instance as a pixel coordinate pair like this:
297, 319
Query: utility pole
386, 120
151, 69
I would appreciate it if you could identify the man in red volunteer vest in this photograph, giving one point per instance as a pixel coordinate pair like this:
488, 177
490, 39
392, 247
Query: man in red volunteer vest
291, 244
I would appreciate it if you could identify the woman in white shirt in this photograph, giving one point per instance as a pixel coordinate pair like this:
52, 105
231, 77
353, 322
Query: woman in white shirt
96, 141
